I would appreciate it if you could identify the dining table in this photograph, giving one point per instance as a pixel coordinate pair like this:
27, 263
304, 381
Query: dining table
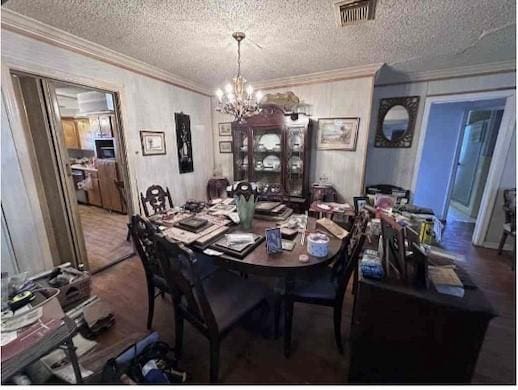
286, 266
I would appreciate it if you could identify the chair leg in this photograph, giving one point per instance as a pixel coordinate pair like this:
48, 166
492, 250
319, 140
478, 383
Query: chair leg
178, 332
337, 317
502, 242
277, 315
288, 318
214, 361
128, 235
150, 305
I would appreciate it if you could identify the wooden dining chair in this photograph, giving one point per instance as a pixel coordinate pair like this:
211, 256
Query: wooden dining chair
327, 288
212, 305
143, 233
509, 228
157, 198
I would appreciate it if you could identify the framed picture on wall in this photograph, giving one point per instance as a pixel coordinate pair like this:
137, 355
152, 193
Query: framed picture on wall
184, 142
153, 142
337, 133
225, 146
225, 129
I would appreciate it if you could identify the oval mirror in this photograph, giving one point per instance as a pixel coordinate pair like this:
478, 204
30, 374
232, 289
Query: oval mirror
395, 123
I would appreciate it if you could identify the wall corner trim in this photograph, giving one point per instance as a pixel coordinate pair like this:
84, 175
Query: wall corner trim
389, 78
352, 72
21, 24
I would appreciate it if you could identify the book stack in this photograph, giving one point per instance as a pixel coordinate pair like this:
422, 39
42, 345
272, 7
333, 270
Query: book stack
272, 211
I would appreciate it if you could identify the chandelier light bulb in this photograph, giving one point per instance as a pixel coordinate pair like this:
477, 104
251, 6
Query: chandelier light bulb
228, 88
258, 96
219, 94
249, 90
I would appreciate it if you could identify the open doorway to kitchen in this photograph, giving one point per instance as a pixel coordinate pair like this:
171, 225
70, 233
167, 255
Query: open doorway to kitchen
78, 152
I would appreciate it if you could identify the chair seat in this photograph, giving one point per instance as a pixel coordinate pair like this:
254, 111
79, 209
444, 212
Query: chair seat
319, 287
231, 296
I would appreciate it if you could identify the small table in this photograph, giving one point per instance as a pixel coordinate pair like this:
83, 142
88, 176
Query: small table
61, 337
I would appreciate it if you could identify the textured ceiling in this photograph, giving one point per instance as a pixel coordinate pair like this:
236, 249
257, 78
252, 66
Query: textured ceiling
192, 38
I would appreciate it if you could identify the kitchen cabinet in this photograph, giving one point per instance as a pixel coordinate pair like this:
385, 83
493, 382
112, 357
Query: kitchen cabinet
108, 175
70, 134
94, 194
101, 126
86, 139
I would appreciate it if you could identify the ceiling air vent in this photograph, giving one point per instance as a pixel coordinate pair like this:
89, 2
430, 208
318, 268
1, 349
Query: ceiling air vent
354, 11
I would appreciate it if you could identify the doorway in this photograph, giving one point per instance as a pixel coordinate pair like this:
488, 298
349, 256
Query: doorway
78, 154
478, 139
486, 120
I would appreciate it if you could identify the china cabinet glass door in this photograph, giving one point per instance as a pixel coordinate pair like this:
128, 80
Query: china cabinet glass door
267, 156
241, 159
295, 161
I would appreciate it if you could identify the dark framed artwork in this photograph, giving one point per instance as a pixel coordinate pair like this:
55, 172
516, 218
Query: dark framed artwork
396, 122
152, 142
225, 146
184, 142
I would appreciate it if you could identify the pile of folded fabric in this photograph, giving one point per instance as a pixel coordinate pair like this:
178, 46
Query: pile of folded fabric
371, 266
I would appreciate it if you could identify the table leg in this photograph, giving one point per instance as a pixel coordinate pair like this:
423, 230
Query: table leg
289, 283
71, 350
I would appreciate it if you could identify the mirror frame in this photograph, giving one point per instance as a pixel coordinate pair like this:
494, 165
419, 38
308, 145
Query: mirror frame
411, 103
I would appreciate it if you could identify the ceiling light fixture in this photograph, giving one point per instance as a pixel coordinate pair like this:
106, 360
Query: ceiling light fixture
238, 99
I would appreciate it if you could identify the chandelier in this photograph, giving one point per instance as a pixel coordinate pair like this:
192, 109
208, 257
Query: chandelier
238, 99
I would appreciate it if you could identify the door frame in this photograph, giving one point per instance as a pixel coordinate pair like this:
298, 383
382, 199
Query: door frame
21, 137
502, 146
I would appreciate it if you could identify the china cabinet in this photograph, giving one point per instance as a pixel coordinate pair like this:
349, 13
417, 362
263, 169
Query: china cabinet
273, 149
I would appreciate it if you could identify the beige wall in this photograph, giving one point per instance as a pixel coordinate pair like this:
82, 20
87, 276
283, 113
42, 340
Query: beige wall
345, 98
147, 104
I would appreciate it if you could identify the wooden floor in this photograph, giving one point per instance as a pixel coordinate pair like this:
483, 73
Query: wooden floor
105, 236
250, 358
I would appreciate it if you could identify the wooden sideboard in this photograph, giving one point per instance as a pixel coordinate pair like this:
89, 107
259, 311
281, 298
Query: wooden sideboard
401, 334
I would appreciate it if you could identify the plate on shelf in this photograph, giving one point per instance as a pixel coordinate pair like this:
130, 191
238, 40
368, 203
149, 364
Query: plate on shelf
272, 162
270, 141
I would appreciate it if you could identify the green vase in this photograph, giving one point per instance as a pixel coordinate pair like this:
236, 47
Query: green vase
245, 210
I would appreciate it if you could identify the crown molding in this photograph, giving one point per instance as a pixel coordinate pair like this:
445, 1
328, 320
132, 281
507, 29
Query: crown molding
391, 77
21, 24
352, 72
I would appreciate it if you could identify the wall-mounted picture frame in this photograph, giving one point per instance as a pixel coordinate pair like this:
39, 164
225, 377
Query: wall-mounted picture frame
225, 146
337, 133
153, 142
225, 129
184, 142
